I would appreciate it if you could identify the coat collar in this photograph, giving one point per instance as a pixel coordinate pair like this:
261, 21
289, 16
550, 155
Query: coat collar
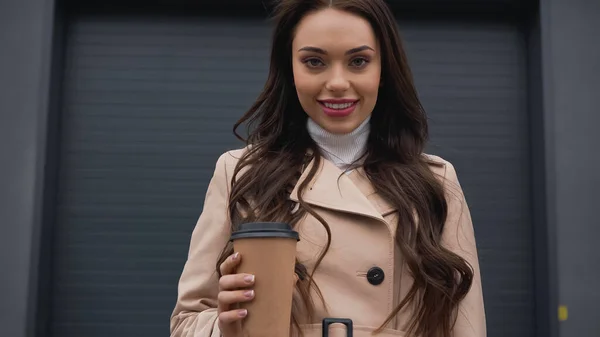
350, 193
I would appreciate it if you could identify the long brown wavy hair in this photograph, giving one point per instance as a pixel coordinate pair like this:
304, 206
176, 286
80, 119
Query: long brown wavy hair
279, 147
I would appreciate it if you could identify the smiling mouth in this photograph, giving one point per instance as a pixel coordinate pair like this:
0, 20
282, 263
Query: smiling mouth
337, 105
339, 108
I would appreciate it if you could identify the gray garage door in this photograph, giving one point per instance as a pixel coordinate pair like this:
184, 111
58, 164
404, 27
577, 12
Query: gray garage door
149, 105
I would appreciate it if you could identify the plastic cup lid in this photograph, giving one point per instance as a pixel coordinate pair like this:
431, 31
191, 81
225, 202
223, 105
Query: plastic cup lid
265, 230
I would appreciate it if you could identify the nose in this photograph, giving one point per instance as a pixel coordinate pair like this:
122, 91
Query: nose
337, 81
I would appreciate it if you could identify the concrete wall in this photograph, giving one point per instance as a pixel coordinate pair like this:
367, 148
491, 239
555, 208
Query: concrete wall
25, 37
571, 79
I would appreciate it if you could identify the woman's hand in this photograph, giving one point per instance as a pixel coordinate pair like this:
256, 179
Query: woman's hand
233, 289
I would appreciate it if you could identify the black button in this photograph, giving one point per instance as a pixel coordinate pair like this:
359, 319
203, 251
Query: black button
375, 276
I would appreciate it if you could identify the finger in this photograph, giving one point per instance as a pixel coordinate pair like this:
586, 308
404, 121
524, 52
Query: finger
235, 281
296, 278
232, 316
227, 298
228, 266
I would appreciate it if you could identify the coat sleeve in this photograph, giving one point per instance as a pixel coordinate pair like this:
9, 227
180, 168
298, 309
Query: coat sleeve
195, 312
459, 237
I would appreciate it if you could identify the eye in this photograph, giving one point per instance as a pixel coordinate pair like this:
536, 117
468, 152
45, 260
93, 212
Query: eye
359, 62
313, 62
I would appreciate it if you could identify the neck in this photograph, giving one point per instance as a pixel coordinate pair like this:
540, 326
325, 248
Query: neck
342, 150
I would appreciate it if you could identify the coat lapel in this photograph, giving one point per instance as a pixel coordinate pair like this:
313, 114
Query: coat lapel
350, 193
359, 178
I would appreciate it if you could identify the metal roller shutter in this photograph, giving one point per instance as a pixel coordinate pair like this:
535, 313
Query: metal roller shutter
149, 105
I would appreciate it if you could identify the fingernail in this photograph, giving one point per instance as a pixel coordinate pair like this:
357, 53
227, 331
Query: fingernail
249, 293
249, 278
236, 255
243, 313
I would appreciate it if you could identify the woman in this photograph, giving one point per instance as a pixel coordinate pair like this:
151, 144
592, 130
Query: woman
336, 149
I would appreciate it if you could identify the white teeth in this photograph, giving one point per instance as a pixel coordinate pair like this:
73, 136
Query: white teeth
338, 106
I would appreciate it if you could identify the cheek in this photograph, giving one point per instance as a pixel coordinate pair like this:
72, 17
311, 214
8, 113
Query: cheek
369, 87
306, 85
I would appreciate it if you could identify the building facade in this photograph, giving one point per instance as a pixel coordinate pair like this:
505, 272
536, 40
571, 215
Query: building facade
113, 114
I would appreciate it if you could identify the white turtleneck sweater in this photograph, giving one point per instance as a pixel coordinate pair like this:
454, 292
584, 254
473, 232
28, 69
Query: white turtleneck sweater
341, 149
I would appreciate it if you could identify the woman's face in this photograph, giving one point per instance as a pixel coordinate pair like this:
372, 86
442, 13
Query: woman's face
337, 67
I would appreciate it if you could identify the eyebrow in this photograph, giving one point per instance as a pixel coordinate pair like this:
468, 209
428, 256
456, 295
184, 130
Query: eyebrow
323, 52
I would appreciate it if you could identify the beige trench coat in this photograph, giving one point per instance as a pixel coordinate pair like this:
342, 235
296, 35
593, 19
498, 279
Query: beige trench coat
362, 227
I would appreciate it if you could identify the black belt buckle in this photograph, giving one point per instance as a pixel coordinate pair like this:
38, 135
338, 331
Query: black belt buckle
328, 321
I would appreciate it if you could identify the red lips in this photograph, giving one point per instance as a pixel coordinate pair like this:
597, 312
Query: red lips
338, 100
338, 112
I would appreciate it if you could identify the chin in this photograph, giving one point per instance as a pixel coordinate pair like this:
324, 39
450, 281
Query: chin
340, 127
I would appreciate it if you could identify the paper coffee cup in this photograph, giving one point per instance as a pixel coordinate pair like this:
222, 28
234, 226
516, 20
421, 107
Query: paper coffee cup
268, 251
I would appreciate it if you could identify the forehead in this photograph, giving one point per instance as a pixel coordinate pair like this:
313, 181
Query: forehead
332, 29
